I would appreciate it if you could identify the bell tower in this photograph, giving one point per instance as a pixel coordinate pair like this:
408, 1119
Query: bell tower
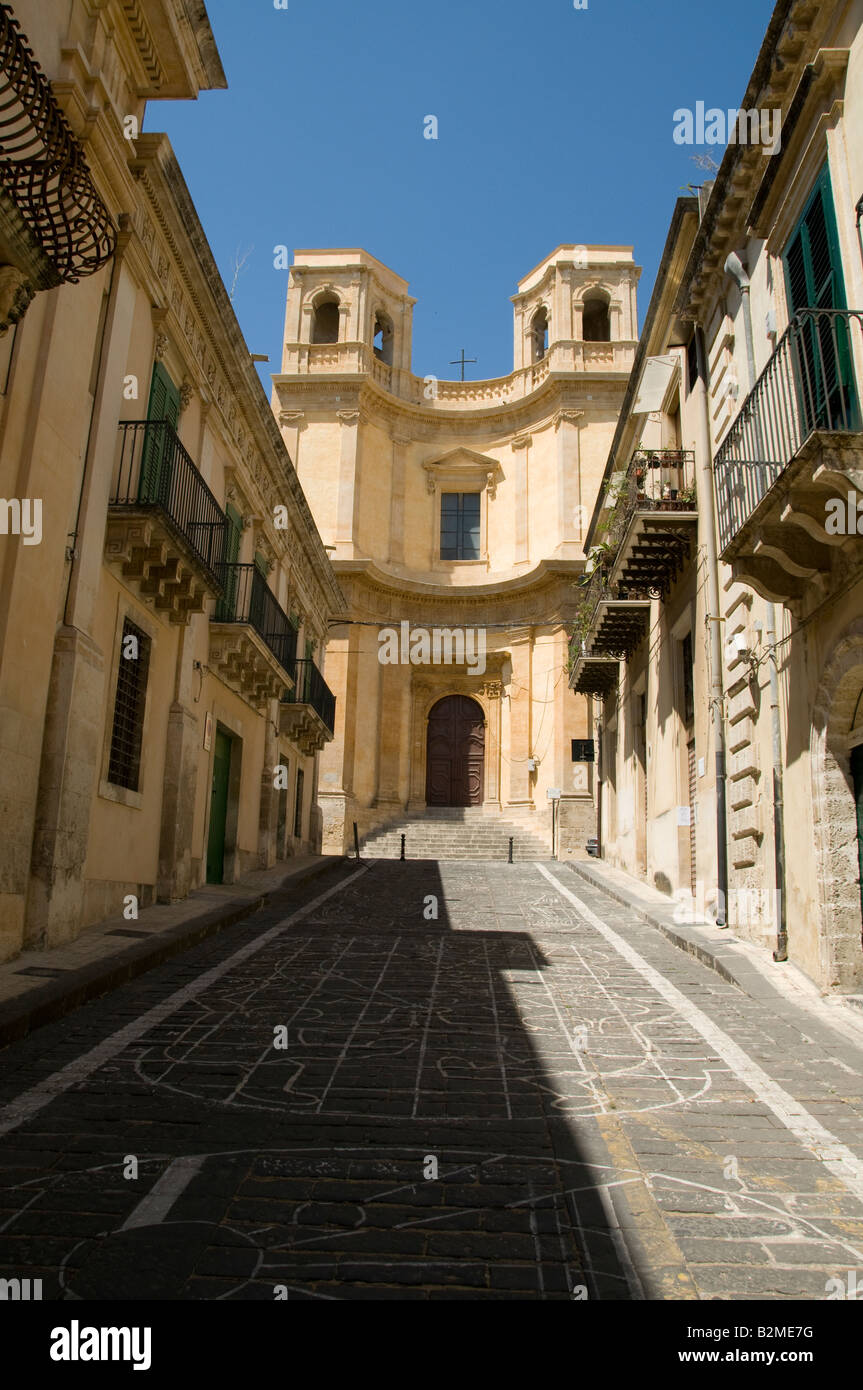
578, 294
341, 302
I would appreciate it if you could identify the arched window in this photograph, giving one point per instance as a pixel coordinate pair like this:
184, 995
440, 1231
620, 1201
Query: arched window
384, 339
539, 334
325, 325
596, 321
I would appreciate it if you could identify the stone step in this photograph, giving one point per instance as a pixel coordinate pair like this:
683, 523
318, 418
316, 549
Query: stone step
475, 837
460, 833
498, 857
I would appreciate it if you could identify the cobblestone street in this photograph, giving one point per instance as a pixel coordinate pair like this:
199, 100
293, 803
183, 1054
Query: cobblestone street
533, 1095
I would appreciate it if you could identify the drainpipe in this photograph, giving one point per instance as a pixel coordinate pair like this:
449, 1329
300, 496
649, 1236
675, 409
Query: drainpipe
734, 268
95, 406
599, 786
707, 506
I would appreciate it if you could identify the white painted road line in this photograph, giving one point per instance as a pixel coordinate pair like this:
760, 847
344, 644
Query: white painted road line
835, 1156
159, 1200
29, 1103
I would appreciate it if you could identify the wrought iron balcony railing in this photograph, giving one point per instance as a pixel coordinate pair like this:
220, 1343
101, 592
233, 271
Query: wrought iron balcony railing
42, 165
807, 385
653, 518
155, 473
611, 618
311, 689
662, 480
247, 598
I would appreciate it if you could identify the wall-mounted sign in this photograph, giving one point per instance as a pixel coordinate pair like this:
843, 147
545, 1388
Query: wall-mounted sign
208, 732
583, 750
553, 793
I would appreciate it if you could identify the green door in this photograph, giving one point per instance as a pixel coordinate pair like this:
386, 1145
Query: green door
813, 275
219, 809
857, 774
158, 455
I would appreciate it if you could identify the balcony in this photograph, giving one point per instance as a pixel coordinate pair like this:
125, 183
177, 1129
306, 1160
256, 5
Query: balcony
253, 643
54, 227
590, 674
654, 521
308, 712
356, 360
612, 619
166, 531
795, 446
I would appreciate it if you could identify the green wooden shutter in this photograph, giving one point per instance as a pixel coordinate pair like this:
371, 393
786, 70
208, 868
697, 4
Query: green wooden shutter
227, 607
156, 460
234, 533
164, 397
814, 279
813, 266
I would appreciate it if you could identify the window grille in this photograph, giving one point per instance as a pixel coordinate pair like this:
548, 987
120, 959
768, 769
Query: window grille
124, 764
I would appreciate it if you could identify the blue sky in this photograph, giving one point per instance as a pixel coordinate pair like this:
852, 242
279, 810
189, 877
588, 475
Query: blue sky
555, 125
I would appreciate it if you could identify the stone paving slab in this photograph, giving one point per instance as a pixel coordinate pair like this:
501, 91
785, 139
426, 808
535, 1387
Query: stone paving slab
498, 1101
37, 987
740, 962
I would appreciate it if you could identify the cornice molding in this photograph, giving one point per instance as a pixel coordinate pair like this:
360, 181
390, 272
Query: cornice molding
222, 368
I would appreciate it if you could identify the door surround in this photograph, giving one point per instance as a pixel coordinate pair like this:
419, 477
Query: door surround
425, 694
456, 780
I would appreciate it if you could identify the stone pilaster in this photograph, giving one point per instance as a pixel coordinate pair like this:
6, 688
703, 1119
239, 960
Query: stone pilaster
401, 444
492, 690
349, 467
521, 448
71, 751
269, 817
182, 758
572, 513
72, 741
520, 731
391, 712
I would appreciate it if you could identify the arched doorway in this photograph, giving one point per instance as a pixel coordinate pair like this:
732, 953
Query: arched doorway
455, 762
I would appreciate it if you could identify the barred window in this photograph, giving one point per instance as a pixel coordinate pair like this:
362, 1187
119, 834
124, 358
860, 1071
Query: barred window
124, 764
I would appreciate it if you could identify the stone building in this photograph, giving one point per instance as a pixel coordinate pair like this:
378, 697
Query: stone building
160, 639
722, 638
456, 513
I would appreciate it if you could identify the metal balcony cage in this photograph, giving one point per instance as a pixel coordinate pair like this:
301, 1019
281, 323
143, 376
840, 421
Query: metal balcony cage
248, 599
807, 385
663, 479
42, 165
311, 689
156, 473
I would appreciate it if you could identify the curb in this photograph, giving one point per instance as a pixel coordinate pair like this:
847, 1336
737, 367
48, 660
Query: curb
719, 956
53, 1000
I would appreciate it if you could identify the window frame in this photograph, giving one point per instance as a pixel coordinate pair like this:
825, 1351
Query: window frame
461, 559
299, 798
112, 791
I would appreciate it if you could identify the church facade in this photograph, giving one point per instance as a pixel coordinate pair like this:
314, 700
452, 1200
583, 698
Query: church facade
455, 514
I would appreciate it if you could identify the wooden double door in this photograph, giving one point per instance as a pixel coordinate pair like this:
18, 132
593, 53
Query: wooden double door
455, 761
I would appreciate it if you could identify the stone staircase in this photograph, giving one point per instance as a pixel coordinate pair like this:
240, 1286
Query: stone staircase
469, 833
